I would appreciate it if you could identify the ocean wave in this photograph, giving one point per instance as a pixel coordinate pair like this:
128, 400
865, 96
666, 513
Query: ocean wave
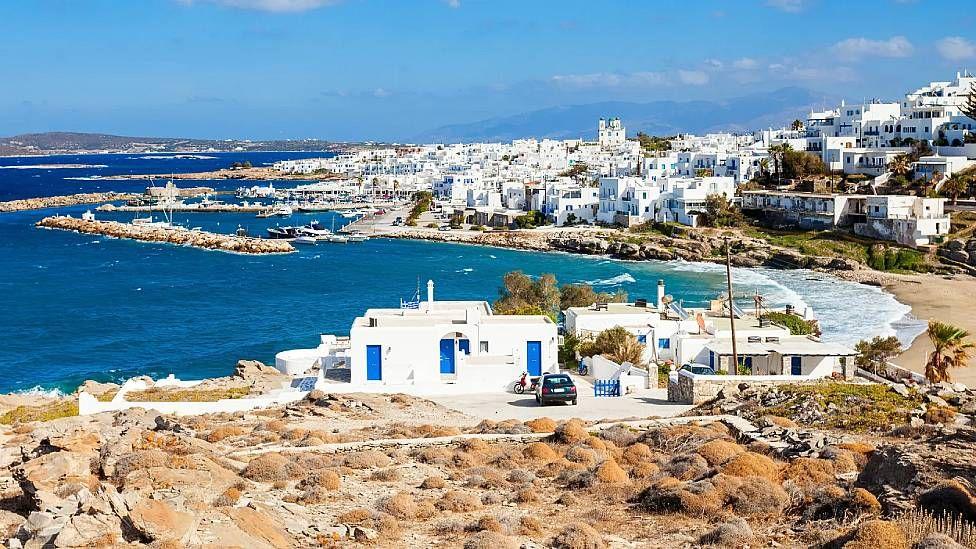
53, 166
174, 157
625, 278
41, 392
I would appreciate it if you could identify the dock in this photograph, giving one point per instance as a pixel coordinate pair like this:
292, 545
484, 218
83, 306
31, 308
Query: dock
169, 235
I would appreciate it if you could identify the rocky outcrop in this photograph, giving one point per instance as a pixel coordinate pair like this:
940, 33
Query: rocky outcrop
960, 251
62, 201
178, 236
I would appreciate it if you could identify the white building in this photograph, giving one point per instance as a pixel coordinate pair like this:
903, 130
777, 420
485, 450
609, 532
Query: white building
432, 347
907, 220
611, 133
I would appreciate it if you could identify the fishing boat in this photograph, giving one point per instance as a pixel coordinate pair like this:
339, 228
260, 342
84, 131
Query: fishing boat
241, 231
304, 240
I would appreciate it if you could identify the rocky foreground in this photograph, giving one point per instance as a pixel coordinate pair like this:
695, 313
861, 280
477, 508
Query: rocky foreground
398, 471
178, 236
62, 201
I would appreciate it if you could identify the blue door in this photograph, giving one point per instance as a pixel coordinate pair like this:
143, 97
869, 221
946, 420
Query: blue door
795, 367
533, 357
447, 356
374, 363
464, 345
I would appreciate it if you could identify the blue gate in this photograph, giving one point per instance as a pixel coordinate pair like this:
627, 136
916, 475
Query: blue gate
464, 345
796, 365
447, 356
533, 357
606, 388
374, 363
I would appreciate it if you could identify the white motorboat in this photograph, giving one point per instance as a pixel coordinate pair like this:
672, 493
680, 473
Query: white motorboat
357, 237
338, 239
304, 240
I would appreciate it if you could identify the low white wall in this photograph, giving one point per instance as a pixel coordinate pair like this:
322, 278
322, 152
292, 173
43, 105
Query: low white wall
88, 404
297, 361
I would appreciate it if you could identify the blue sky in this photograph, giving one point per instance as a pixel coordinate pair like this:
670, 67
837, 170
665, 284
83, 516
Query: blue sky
371, 69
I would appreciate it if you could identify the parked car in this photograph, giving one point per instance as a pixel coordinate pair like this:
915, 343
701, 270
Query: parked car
699, 369
444, 228
555, 388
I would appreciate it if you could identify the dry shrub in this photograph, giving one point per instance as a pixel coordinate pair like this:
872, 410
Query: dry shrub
325, 479
752, 464
781, 421
488, 523
400, 505
567, 499
581, 454
140, 459
698, 498
520, 476
637, 453
487, 539
228, 498
718, 451
844, 461
878, 533
475, 445
733, 533
433, 483
387, 525
758, 496
463, 460
314, 495
354, 516
541, 425
865, 502
570, 432
578, 535
226, 431
938, 541
452, 527
596, 443
267, 468
949, 497
939, 414
686, 466
279, 484
527, 495
676, 439
644, 470
389, 474
459, 502
433, 455
367, 459
807, 472
295, 434
609, 472
529, 526
435, 431
620, 436
540, 451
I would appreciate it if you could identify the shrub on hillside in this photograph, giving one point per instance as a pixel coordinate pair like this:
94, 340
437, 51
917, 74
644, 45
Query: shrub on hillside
578, 535
734, 532
267, 468
366, 459
459, 502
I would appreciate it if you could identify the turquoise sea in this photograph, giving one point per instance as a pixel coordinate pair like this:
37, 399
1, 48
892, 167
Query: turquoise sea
82, 307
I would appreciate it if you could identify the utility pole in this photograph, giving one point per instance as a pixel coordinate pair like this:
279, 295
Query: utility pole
728, 278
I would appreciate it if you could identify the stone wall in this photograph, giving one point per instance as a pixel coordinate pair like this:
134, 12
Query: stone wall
687, 388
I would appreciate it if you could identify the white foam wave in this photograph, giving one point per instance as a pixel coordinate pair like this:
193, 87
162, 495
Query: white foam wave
41, 392
625, 278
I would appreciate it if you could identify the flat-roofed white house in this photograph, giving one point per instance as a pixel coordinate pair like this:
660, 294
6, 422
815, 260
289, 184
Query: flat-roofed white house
907, 220
435, 347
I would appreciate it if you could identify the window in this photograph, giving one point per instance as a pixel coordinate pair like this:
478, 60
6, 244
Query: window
642, 338
483, 346
663, 343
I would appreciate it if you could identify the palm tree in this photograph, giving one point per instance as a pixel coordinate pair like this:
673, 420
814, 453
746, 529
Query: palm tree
951, 351
955, 186
797, 125
900, 165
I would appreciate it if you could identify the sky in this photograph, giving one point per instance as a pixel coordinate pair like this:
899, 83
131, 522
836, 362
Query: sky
392, 69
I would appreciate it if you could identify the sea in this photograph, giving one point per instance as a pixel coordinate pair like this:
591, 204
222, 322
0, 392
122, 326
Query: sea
79, 307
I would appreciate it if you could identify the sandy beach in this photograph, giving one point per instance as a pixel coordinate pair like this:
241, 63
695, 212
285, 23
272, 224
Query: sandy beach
951, 300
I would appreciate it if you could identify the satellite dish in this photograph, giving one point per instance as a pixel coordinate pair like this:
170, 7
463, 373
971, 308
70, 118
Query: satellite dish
668, 299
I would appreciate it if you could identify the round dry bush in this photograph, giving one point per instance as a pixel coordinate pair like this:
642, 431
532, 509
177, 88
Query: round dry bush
387, 525
718, 451
489, 477
578, 535
267, 468
314, 495
400, 505
433, 483
474, 445
780, 421
570, 432
492, 498
354, 516
140, 459
220, 433
732, 533
609, 472
844, 461
759, 496
520, 476
228, 498
541, 425
581, 454
459, 502
619, 435
463, 460
389, 474
760, 447
488, 523
686, 466
809, 472
596, 443
865, 502
567, 499
310, 441
529, 526
296, 434
527, 495
426, 509
367, 459
487, 539
540, 451
878, 533
637, 453
325, 479
938, 541
752, 464
862, 448
433, 455
949, 497
668, 439
645, 470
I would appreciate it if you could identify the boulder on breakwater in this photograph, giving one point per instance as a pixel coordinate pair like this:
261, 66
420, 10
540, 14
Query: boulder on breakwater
178, 235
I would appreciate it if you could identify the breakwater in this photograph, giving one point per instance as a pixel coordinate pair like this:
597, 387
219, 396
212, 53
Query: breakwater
177, 235
63, 201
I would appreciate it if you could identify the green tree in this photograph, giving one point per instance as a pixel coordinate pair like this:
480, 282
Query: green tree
797, 125
955, 186
653, 143
873, 355
800, 164
969, 109
616, 344
519, 291
952, 350
720, 213
900, 166
583, 295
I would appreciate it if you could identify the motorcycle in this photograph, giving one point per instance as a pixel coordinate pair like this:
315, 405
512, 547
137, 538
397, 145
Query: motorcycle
519, 386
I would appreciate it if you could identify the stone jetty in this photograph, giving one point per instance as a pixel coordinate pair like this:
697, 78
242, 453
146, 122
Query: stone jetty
62, 201
179, 236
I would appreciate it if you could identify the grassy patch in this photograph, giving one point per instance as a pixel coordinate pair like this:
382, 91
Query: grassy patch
857, 407
818, 243
107, 396
56, 410
186, 395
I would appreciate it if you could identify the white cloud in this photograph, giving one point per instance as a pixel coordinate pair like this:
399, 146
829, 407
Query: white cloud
790, 6
956, 48
856, 48
745, 63
280, 6
453, 3
381, 92
612, 80
694, 78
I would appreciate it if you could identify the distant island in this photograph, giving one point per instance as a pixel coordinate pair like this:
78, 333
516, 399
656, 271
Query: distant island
81, 143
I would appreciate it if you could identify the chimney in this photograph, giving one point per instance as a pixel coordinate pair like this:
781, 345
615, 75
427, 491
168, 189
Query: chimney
430, 295
660, 295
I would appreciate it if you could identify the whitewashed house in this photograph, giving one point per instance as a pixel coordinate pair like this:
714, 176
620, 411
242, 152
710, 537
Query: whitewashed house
907, 220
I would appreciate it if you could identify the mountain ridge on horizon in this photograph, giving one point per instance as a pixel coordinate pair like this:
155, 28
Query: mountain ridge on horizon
665, 117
